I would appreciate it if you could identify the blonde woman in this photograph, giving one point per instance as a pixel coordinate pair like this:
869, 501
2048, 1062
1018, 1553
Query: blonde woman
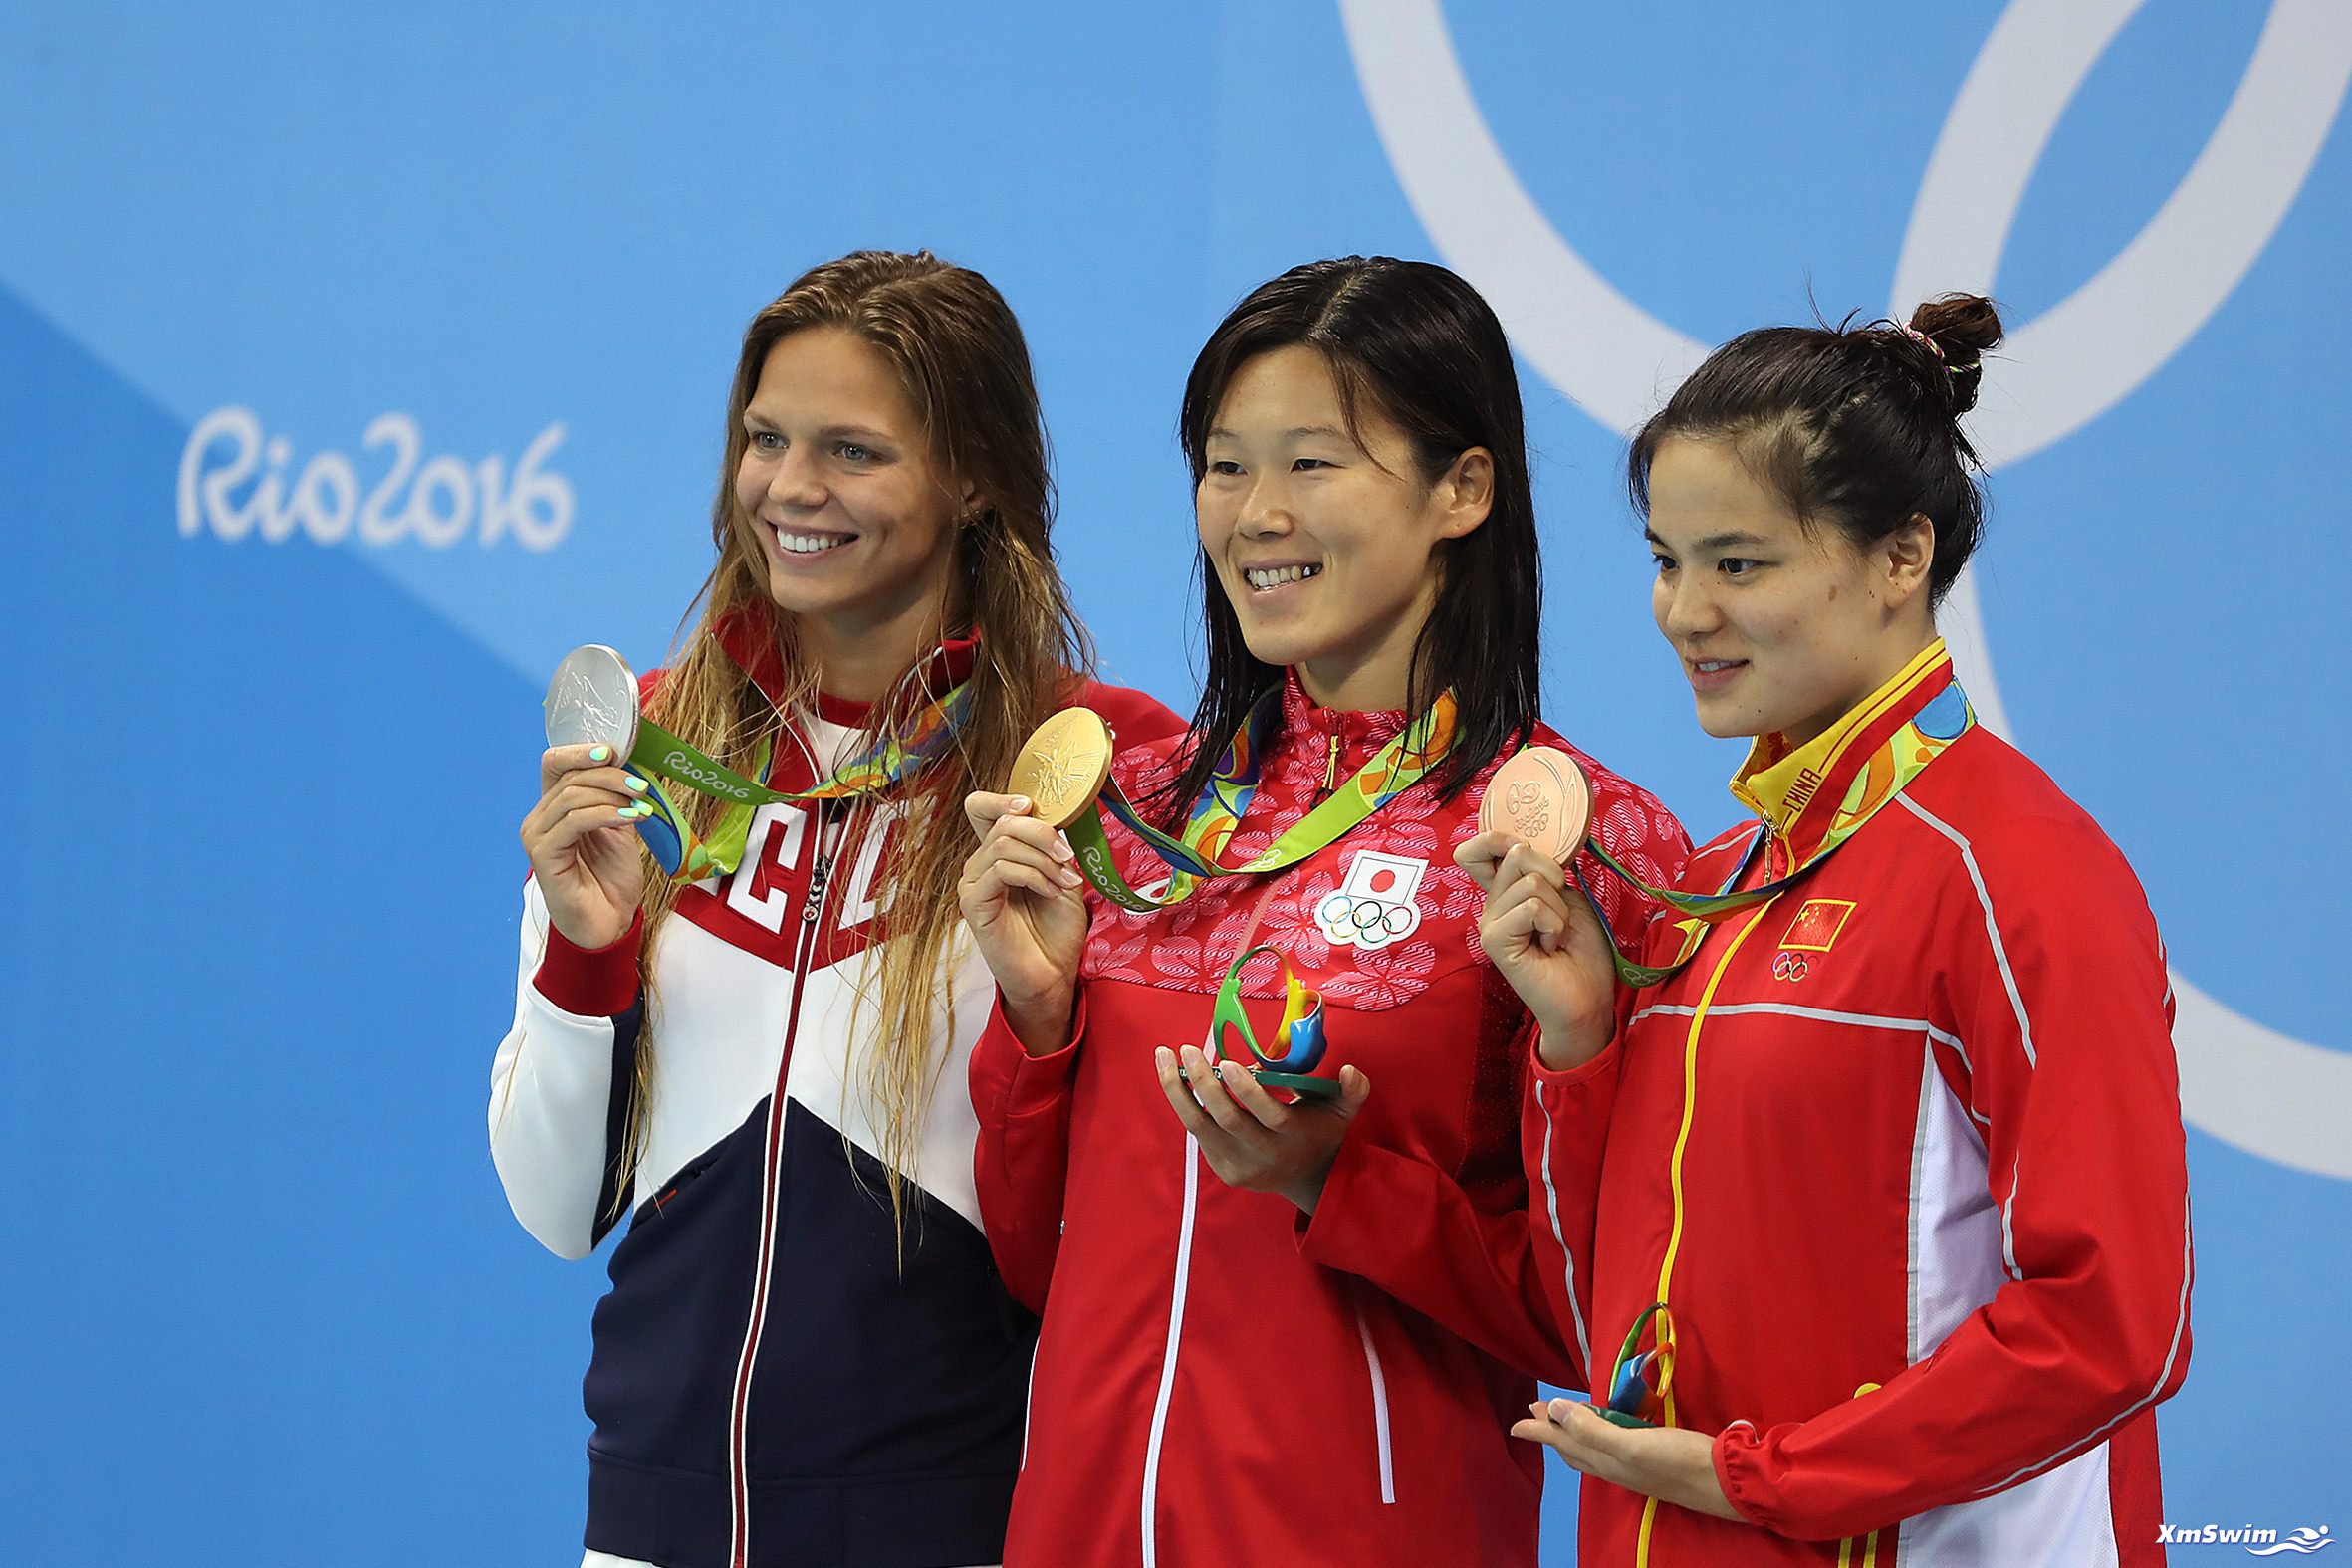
806, 1354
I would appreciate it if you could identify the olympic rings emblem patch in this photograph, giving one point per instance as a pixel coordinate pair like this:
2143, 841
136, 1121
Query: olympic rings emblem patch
1375, 906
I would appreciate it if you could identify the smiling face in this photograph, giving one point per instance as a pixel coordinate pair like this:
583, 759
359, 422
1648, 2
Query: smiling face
1781, 628
854, 518
1324, 548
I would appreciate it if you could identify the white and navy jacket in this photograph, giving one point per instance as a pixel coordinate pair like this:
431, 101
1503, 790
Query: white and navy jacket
775, 1382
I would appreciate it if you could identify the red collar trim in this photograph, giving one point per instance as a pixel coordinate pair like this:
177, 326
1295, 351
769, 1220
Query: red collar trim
748, 637
1303, 715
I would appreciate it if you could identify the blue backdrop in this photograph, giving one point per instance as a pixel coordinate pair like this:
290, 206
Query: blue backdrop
355, 365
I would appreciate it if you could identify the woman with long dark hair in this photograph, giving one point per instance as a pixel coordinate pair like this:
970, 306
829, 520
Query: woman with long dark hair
1884, 1254
1288, 1327
806, 1355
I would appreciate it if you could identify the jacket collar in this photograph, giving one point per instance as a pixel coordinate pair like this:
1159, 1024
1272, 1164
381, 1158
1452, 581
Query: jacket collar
1798, 790
1303, 715
749, 636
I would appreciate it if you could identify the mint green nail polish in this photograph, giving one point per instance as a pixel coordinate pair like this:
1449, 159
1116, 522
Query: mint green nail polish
599, 753
637, 785
637, 808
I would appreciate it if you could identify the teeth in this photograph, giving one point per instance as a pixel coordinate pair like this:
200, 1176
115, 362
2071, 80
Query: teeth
1275, 578
1710, 666
808, 544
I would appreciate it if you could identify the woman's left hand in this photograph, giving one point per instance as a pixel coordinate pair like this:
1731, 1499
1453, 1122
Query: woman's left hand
1251, 1139
1671, 1464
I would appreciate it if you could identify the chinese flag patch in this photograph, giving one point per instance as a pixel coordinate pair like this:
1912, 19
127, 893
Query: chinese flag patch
1817, 924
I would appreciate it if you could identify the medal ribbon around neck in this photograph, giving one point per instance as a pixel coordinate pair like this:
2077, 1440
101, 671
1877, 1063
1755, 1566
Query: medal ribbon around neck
1065, 771
1945, 718
593, 696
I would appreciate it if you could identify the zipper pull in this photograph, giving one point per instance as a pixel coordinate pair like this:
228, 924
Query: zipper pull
1332, 765
815, 898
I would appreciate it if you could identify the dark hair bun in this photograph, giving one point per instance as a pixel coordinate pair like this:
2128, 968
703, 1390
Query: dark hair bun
1963, 328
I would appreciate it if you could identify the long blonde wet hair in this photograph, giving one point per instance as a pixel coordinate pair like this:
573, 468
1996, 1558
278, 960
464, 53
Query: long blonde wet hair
960, 356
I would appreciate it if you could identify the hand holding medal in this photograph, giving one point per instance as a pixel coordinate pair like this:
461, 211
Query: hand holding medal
584, 856
1020, 895
593, 699
1542, 929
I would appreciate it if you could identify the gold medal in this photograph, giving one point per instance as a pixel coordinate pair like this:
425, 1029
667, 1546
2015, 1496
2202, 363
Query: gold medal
1542, 797
1063, 766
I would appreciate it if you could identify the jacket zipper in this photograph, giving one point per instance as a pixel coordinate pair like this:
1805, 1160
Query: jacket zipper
1383, 1450
739, 1417
1192, 1191
1689, 1099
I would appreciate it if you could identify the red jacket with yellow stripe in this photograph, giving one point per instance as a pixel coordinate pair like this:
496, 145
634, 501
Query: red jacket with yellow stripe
1217, 1381
1901, 1151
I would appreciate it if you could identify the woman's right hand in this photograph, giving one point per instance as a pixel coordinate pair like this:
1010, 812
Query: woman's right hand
1024, 901
1547, 942
582, 844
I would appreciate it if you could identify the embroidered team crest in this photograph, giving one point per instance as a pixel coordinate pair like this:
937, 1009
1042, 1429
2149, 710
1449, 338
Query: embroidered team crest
1816, 925
1375, 905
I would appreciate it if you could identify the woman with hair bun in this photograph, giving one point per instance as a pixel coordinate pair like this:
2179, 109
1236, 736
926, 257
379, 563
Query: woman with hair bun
806, 1355
1885, 1256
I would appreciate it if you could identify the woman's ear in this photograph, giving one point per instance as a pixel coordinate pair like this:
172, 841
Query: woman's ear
1906, 556
1466, 493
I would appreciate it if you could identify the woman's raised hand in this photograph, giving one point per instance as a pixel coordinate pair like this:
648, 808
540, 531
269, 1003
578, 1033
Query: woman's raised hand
1024, 901
1547, 942
583, 843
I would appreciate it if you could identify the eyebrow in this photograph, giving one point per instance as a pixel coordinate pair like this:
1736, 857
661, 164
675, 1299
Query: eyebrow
865, 434
1731, 541
1295, 433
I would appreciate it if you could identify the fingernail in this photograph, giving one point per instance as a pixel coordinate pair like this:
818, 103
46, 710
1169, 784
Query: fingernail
599, 753
1070, 878
1019, 803
637, 808
636, 786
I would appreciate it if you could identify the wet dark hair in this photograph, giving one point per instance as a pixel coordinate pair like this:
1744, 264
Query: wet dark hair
1417, 344
1858, 426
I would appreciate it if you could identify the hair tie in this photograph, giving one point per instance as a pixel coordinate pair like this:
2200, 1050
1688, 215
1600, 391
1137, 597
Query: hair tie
1920, 338
1934, 348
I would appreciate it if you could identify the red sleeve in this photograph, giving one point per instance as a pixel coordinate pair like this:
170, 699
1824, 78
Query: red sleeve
1563, 1130
2062, 1011
1413, 1231
1022, 1157
590, 982
1135, 718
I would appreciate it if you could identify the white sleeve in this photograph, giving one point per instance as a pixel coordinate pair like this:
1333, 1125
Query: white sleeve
552, 1118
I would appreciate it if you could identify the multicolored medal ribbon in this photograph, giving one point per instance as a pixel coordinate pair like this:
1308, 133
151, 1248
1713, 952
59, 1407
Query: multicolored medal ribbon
1542, 797
1065, 769
594, 698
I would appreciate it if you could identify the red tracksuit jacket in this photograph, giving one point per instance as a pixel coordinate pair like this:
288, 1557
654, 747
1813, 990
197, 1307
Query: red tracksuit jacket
1901, 1151
1217, 1381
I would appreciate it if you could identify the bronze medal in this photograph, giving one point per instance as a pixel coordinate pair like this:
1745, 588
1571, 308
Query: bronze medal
1542, 797
1063, 766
